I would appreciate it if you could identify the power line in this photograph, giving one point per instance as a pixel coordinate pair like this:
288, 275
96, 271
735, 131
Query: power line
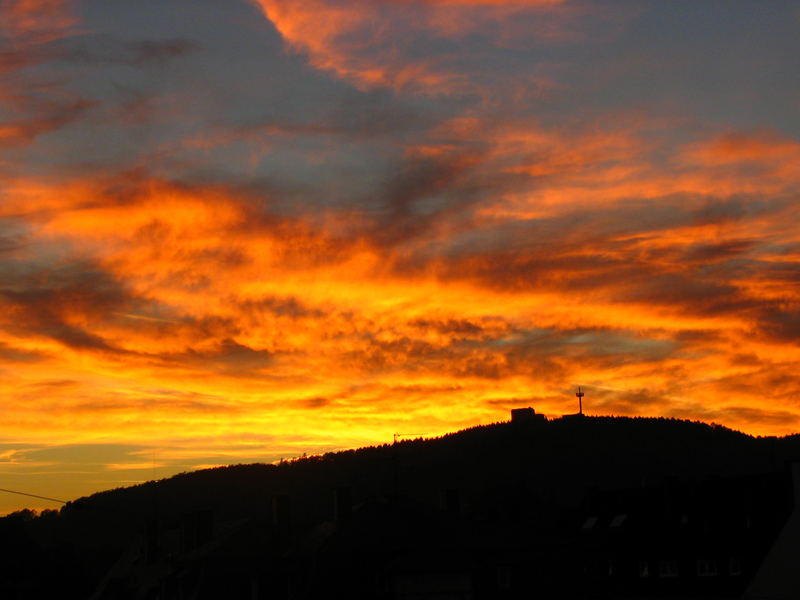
33, 496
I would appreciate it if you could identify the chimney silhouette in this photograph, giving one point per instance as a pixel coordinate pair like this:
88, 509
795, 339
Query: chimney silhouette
522, 415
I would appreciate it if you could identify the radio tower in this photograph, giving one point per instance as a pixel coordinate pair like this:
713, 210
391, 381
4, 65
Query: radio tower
580, 395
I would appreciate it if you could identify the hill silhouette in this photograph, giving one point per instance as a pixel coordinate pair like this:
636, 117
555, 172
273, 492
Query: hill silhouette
544, 469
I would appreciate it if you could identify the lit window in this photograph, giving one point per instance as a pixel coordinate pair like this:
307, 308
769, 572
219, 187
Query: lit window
706, 568
644, 568
668, 568
734, 566
504, 577
590, 522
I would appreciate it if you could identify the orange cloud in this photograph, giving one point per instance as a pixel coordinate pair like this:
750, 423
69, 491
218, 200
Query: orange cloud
757, 146
200, 321
195, 302
373, 43
36, 20
761, 155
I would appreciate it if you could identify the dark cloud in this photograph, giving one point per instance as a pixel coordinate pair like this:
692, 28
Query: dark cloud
378, 113
426, 389
11, 354
159, 52
45, 303
10, 242
423, 194
491, 366
750, 414
98, 50
637, 251
227, 257
288, 306
546, 355
637, 402
714, 252
384, 355
316, 402
686, 290
30, 31
228, 357
745, 359
460, 328
553, 354
781, 271
509, 403
77, 337
697, 336
539, 267
14, 60
54, 384
48, 118
781, 323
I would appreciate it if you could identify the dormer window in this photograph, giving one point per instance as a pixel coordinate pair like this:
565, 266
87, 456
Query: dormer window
589, 523
617, 521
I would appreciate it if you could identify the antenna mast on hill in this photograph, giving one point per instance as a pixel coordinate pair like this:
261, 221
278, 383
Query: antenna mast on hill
580, 396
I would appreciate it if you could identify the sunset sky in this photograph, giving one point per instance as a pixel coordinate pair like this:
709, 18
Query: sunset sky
241, 230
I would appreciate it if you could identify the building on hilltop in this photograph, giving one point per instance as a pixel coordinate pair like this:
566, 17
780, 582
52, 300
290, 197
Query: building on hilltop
526, 415
529, 415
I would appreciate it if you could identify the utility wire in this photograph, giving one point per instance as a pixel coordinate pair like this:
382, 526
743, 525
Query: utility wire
33, 496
